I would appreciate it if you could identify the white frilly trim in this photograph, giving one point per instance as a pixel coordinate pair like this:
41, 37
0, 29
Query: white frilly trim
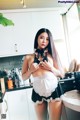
48, 100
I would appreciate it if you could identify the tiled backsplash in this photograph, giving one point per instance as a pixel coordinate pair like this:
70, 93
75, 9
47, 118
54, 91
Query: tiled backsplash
11, 62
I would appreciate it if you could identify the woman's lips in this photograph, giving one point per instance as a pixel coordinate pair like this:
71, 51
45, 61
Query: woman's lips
43, 44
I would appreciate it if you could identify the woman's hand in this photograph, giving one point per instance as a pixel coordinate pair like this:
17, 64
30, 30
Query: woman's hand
34, 67
46, 65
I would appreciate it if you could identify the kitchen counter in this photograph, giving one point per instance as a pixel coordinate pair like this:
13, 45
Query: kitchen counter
1, 97
71, 99
19, 88
17, 104
71, 105
14, 89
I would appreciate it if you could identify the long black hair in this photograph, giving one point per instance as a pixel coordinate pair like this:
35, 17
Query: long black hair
51, 47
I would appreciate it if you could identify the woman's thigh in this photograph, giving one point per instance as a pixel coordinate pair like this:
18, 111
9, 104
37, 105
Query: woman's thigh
41, 111
55, 109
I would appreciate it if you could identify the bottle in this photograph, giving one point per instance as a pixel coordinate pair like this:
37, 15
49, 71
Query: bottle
10, 83
2, 81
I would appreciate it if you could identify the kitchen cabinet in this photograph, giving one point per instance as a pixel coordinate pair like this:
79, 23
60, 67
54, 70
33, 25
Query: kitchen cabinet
19, 39
6, 43
20, 105
17, 105
32, 113
4, 114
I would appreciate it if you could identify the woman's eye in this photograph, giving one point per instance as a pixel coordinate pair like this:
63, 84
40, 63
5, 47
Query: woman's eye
41, 37
44, 38
47, 39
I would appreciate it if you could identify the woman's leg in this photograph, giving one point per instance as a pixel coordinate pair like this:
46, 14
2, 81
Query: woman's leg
55, 109
41, 110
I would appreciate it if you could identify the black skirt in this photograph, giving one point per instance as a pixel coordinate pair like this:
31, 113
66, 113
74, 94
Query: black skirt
36, 97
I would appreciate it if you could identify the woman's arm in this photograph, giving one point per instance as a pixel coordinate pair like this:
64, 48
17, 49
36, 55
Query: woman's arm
60, 71
26, 71
56, 70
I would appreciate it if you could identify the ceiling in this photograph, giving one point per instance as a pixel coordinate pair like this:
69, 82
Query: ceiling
16, 4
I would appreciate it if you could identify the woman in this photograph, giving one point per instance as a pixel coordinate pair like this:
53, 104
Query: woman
45, 67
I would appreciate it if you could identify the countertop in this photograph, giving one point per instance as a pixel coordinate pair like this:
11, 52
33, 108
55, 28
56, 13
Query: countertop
1, 97
14, 89
71, 99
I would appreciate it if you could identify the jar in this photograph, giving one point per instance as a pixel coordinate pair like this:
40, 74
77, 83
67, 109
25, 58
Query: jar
10, 83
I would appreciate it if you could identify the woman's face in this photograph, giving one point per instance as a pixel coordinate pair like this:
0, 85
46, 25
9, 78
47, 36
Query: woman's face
43, 40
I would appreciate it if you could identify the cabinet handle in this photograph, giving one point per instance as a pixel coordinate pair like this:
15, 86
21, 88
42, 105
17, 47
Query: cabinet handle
6, 105
16, 50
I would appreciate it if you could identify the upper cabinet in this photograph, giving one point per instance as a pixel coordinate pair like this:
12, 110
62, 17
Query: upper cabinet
19, 39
